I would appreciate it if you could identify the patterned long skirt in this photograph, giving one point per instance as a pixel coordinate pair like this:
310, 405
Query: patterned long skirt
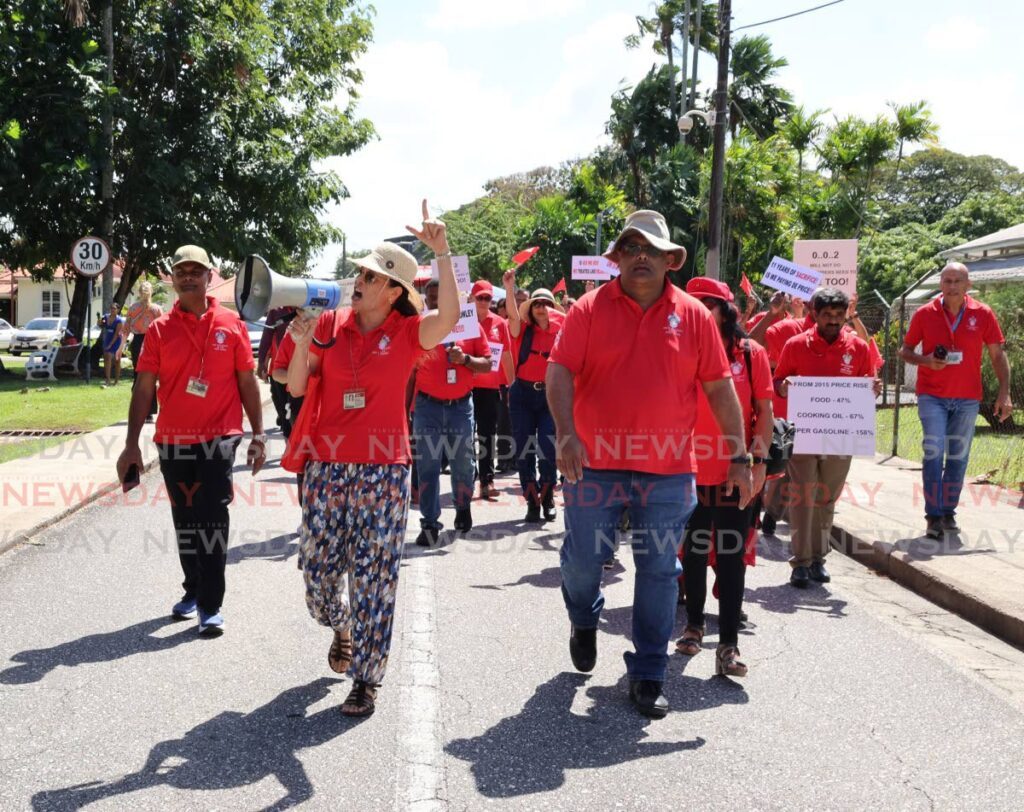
350, 550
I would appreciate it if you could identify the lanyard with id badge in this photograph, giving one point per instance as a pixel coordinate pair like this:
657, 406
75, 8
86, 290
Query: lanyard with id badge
197, 384
953, 355
354, 398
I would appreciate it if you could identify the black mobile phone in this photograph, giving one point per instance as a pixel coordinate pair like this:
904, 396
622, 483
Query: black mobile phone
940, 352
131, 478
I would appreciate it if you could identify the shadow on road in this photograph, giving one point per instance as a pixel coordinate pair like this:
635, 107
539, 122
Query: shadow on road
95, 648
230, 750
787, 600
279, 548
531, 751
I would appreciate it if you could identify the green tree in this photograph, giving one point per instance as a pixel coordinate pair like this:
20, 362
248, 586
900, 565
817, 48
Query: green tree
914, 125
801, 129
753, 92
222, 111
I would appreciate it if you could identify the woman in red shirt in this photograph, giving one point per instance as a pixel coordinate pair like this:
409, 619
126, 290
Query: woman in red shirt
534, 326
717, 514
352, 366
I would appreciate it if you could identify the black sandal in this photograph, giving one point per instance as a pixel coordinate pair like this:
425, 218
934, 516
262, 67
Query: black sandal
339, 656
360, 699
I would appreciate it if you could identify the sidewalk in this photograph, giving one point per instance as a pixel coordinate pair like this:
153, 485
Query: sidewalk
978, 574
40, 490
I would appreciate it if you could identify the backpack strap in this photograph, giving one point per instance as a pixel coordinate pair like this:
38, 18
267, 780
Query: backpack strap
526, 346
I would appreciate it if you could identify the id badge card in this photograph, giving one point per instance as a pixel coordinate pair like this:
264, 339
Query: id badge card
955, 357
197, 386
453, 375
354, 399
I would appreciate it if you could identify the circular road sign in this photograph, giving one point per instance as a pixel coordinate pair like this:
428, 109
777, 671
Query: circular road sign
90, 255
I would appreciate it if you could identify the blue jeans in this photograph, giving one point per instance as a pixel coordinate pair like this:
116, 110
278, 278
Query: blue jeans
948, 425
659, 508
533, 430
443, 430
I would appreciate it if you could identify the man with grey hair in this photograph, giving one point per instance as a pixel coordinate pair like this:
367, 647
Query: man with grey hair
952, 331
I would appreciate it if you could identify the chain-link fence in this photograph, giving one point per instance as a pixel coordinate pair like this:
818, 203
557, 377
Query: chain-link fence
997, 455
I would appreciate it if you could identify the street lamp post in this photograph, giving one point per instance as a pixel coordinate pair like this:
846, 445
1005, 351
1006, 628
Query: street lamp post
712, 269
600, 221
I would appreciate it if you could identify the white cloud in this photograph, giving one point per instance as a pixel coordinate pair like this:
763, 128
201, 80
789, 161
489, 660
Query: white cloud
955, 34
453, 15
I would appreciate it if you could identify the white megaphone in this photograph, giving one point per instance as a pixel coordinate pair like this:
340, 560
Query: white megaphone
258, 289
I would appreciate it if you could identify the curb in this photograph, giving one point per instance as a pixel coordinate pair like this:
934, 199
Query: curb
1007, 627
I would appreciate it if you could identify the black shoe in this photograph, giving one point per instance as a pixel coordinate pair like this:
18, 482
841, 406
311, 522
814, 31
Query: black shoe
646, 695
463, 520
583, 649
533, 513
768, 525
743, 619
949, 523
935, 529
549, 510
427, 537
819, 573
800, 577
609, 563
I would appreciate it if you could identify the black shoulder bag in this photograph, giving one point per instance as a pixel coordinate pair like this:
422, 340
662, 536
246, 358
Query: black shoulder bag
783, 432
525, 347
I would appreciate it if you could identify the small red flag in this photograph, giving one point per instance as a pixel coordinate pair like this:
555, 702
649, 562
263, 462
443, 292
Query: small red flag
524, 255
560, 287
746, 287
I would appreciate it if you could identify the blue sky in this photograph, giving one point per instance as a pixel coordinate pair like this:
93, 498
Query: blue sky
466, 90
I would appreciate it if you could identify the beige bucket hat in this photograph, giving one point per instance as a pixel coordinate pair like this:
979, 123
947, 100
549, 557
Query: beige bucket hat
652, 227
394, 262
539, 295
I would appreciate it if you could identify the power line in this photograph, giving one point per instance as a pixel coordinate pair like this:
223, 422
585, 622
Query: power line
795, 14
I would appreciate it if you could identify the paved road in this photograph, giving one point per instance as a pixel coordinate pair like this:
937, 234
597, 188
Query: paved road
860, 695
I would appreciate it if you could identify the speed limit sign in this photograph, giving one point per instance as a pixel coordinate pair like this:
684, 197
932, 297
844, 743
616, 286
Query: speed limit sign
90, 256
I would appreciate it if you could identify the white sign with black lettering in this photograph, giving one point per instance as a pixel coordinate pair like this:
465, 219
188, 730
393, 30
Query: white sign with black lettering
496, 353
461, 266
90, 256
467, 327
796, 280
835, 259
833, 416
596, 268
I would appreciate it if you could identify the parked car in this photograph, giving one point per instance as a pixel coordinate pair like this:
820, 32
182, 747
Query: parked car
256, 329
6, 334
38, 334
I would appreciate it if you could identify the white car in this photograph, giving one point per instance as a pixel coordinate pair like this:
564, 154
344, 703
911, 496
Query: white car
6, 334
38, 334
255, 330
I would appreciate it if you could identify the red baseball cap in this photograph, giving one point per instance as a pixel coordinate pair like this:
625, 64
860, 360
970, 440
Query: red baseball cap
702, 286
482, 286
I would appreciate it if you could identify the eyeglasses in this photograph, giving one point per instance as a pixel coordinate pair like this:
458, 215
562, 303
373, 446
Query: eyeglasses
483, 298
541, 303
189, 273
368, 277
634, 249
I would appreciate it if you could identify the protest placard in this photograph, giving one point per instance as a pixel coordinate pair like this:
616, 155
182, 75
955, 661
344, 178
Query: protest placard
467, 327
833, 416
596, 268
796, 280
835, 259
461, 266
496, 353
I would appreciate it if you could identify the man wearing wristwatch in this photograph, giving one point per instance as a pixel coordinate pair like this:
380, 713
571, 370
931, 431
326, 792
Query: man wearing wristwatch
197, 359
622, 386
442, 426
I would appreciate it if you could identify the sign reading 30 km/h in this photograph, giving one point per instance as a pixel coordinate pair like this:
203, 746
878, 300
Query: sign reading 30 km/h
90, 256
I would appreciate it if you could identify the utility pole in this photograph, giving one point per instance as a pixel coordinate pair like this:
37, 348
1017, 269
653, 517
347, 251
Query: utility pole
107, 171
685, 64
718, 155
692, 99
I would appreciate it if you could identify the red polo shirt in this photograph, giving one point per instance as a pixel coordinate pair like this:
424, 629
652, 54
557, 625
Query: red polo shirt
494, 329
809, 355
283, 354
637, 374
712, 453
214, 347
933, 325
755, 320
432, 373
535, 367
775, 339
379, 363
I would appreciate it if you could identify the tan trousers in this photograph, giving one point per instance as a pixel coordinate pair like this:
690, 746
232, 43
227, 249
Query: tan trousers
815, 485
774, 497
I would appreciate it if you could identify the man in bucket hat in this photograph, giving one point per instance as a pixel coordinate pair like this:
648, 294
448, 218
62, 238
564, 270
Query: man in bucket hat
622, 387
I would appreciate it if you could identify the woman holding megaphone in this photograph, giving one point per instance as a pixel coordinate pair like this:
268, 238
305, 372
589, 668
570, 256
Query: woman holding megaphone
351, 441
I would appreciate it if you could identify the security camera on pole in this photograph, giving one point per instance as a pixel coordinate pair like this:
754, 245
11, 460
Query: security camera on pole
90, 256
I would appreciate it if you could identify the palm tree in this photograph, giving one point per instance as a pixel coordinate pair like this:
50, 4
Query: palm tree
759, 101
800, 129
913, 124
75, 11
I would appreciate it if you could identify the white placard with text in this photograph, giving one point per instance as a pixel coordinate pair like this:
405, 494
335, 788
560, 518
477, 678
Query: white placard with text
597, 268
461, 266
796, 280
833, 416
496, 352
835, 259
467, 327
